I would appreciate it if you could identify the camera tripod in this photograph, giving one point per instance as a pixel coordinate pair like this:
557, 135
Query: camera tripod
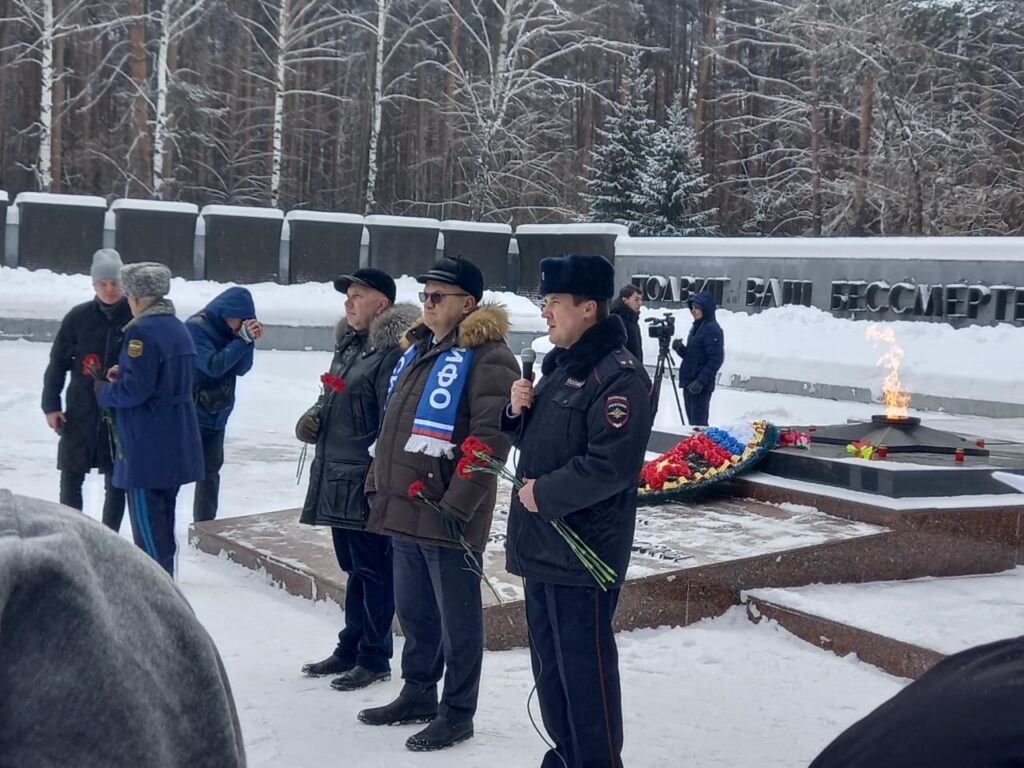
663, 368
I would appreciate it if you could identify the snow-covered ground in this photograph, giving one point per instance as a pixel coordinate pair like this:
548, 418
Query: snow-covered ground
799, 343
946, 615
723, 693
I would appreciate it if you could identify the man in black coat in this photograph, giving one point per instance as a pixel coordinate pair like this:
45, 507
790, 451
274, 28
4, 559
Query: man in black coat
627, 308
342, 425
595, 396
93, 328
702, 356
964, 711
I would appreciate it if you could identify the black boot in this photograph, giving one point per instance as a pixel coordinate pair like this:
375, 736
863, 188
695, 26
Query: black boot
401, 711
359, 677
332, 665
440, 734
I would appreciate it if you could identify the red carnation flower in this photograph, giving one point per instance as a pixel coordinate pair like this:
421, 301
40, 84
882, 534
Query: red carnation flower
471, 446
92, 365
416, 488
333, 382
465, 467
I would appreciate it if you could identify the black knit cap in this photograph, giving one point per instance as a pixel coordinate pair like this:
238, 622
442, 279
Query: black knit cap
590, 276
369, 277
457, 271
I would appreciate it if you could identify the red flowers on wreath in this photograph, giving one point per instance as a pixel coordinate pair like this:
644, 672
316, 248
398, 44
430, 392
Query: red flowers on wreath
330, 381
92, 366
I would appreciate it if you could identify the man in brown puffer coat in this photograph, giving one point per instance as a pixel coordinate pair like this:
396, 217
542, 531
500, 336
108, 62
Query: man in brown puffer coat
452, 383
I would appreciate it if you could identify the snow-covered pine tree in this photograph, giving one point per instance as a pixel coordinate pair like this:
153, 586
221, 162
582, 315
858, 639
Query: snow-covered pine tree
672, 193
619, 158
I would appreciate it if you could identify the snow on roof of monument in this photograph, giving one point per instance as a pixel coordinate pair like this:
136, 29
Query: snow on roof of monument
3, 196
243, 211
475, 226
401, 221
572, 229
842, 248
156, 206
327, 217
48, 198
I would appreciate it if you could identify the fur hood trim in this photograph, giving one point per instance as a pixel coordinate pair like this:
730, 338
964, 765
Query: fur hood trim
487, 323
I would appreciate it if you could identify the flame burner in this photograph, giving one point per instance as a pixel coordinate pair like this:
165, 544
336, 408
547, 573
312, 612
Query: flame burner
895, 421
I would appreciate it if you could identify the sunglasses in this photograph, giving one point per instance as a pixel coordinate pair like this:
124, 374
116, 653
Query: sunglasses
436, 297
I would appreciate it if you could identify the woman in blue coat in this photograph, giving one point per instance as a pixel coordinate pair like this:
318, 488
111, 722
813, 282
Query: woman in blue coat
702, 356
151, 391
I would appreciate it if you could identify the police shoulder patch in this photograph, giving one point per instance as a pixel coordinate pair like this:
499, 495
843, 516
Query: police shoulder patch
135, 348
616, 410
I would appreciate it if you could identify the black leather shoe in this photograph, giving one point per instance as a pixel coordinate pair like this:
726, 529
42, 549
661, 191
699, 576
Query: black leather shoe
332, 665
440, 734
359, 677
400, 712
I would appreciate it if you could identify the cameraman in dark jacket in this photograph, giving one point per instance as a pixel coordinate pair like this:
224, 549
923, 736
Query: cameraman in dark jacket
93, 328
342, 425
224, 334
702, 356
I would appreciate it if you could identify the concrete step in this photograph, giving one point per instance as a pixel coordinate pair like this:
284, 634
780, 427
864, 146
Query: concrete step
903, 627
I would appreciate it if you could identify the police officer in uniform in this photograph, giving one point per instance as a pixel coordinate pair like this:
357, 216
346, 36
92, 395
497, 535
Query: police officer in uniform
594, 397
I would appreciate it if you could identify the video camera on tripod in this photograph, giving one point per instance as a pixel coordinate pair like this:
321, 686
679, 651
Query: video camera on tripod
662, 328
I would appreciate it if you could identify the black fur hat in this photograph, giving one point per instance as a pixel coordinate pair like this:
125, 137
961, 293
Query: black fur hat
590, 276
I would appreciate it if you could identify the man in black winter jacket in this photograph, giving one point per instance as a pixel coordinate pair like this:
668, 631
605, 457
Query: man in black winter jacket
594, 397
93, 328
702, 356
343, 424
627, 308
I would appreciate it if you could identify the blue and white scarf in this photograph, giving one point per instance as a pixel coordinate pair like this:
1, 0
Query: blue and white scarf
434, 423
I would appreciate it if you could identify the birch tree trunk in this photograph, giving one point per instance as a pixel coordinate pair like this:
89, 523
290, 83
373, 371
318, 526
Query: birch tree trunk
160, 118
377, 106
280, 74
44, 160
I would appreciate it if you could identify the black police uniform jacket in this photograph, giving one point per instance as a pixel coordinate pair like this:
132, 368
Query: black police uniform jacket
349, 419
89, 328
583, 440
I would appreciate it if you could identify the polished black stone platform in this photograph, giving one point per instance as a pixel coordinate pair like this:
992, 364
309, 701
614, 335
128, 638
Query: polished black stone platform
905, 435
903, 475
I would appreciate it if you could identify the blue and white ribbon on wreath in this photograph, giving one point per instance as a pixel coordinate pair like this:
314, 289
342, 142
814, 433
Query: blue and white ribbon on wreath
434, 422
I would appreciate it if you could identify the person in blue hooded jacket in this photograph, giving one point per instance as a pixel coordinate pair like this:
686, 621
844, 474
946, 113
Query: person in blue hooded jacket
224, 333
150, 390
702, 355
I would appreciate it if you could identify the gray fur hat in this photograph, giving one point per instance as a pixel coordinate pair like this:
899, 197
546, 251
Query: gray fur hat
106, 264
146, 280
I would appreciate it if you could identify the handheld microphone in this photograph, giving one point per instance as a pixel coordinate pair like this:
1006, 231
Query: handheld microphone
529, 357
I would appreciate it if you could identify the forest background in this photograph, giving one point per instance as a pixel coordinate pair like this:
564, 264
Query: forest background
788, 117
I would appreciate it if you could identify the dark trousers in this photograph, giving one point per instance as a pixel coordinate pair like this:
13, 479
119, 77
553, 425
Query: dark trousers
113, 498
437, 598
576, 667
698, 407
204, 505
369, 598
152, 512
